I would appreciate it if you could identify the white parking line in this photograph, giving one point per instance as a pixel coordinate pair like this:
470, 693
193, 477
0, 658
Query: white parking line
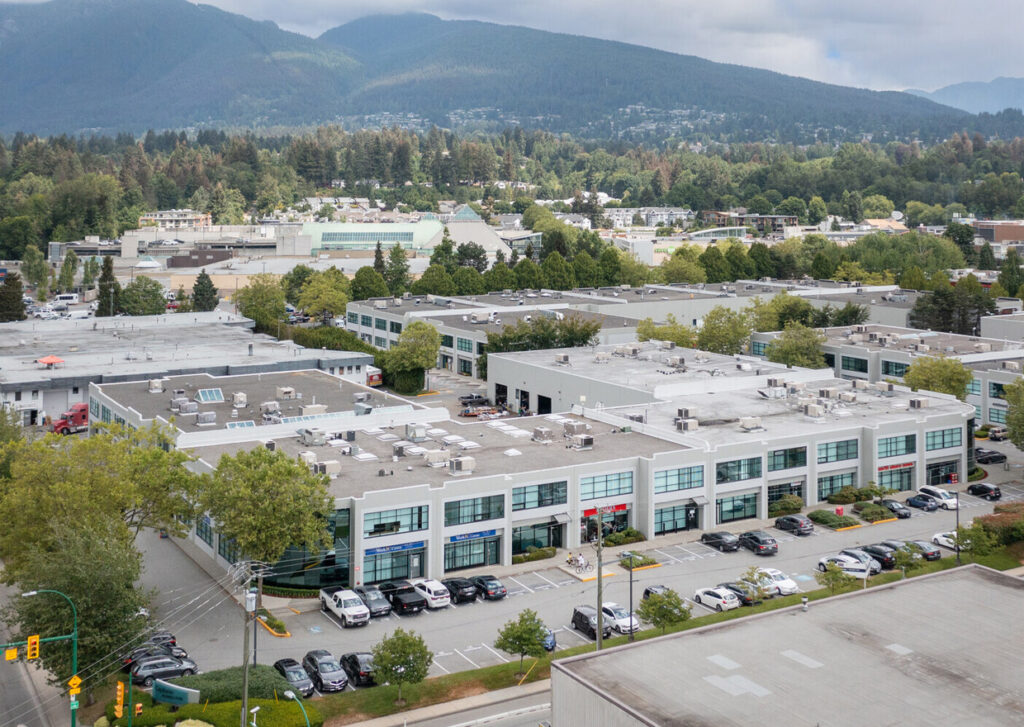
495, 653
521, 583
475, 666
434, 663
571, 630
670, 557
546, 579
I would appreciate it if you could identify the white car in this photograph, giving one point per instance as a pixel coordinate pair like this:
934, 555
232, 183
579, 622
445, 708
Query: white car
949, 540
436, 594
719, 599
946, 500
847, 563
619, 618
777, 581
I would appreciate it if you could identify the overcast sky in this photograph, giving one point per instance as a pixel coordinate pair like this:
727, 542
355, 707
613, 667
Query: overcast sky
880, 44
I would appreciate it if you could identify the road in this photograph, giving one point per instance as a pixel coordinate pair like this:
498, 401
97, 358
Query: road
525, 712
18, 700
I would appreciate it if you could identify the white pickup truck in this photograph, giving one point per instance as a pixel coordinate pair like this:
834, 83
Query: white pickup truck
344, 604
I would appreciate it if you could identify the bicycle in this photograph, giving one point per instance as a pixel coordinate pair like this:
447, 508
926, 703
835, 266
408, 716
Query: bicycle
585, 568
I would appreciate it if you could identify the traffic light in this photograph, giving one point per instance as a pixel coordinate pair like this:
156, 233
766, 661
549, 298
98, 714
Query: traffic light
119, 701
32, 649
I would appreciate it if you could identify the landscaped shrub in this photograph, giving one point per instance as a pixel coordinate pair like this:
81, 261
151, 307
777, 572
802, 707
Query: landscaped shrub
981, 433
272, 621
786, 505
859, 506
874, 513
849, 495
637, 562
629, 535
282, 592
1006, 523
280, 713
226, 684
533, 553
830, 520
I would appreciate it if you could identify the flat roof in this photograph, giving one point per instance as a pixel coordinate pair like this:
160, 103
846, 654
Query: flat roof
895, 654
905, 339
492, 444
505, 318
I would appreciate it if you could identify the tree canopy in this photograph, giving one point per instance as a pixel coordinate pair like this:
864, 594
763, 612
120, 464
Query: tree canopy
939, 373
797, 345
262, 299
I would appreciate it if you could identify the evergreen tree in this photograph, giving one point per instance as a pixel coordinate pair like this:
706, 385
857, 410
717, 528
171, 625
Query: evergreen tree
396, 272
986, 258
12, 307
36, 272
444, 254
716, 267
610, 264
557, 272
68, 271
500, 277
529, 275
90, 269
204, 294
1009, 274
469, 281
109, 294
760, 255
588, 274
378, 259
435, 280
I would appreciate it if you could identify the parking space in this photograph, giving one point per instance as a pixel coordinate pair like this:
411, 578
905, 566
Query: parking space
471, 656
541, 580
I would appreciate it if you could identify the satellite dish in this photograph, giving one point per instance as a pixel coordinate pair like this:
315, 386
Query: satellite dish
896, 215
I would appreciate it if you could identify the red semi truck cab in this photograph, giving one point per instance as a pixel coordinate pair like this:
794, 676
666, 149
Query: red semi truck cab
75, 419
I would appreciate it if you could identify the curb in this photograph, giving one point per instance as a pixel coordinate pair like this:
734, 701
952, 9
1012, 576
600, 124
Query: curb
594, 578
278, 634
645, 567
887, 520
848, 527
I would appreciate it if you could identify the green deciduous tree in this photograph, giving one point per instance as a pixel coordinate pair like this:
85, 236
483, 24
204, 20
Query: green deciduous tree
473, 255
817, 211
542, 332
938, 373
401, 658
108, 294
469, 281
261, 300
435, 280
558, 274
68, 271
663, 610
293, 280
396, 272
798, 345
323, 296
1014, 395
834, 578
529, 275
716, 267
204, 294
877, 206
37, 272
12, 307
522, 636
143, 297
416, 348
586, 270
723, 331
500, 277
368, 283
963, 236
671, 330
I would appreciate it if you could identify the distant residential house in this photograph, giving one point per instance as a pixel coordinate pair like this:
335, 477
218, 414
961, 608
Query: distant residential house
183, 219
764, 224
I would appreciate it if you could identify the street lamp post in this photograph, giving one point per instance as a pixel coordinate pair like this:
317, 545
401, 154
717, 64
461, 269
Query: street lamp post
956, 537
74, 639
291, 695
632, 555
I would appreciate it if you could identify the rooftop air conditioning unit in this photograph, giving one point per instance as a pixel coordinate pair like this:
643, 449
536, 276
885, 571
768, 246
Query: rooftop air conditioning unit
847, 396
206, 417
668, 345
416, 432
636, 418
1011, 365
307, 458
188, 407
285, 393
814, 410
543, 435
436, 457
350, 436
860, 329
633, 349
380, 304
461, 465
330, 467
398, 448
361, 396
313, 437
861, 384
602, 357
856, 338
743, 366
688, 412
572, 427
176, 403
312, 409
239, 399
270, 445
362, 408
982, 347
582, 441
676, 361
179, 393
918, 403
922, 347
828, 393
319, 468
795, 387
886, 388
156, 386
406, 295
561, 358
776, 383
748, 424
872, 336
270, 407
687, 425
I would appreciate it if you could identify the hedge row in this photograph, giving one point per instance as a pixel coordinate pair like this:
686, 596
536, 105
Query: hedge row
282, 713
640, 562
786, 505
225, 684
534, 553
628, 535
830, 520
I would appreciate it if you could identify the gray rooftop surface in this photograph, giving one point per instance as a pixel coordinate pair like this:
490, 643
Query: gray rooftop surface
858, 659
465, 322
937, 342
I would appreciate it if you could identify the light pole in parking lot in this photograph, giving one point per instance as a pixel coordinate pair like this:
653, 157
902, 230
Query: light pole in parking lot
632, 555
956, 537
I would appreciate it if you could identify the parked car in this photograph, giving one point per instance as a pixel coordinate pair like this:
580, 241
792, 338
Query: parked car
296, 676
436, 594
374, 600
584, 618
621, 620
881, 552
162, 637
403, 597
897, 508
149, 650
720, 599
358, 666
145, 671
722, 540
997, 433
796, 524
924, 502
985, 490
988, 456
489, 588
873, 565
460, 589
345, 604
324, 670
948, 540
847, 563
928, 551
945, 499
744, 594
778, 581
760, 542
655, 589
549, 643
473, 400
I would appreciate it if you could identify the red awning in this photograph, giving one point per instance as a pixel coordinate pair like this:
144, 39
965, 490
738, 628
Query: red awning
50, 360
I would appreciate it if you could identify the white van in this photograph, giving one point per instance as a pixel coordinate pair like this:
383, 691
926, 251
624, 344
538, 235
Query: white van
946, 500
67, 298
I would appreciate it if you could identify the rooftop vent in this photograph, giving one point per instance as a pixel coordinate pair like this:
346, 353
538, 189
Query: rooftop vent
285, 393
268, 408
312, 409
416, 432
543, 435
918, 403
573, 426
461, 465
436, 457
156, 386
668, 345
688, 412
561, 358
749, 424
188, 407
313, 437
687, 425
982, 347
206, 418
602, 357
582, 441
239, 400
1011, 365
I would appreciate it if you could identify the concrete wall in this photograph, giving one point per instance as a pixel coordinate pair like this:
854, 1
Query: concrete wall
574, 703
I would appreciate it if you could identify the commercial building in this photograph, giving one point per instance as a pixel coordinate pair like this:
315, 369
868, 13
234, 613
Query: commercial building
654, 438
863, 658
184, 219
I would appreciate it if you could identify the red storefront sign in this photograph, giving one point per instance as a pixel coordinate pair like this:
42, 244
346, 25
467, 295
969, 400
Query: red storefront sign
606, 509
888, 467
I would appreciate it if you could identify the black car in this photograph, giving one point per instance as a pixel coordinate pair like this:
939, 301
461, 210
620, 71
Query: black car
984, 490
162, 637
584, 618
988, 456
403, 597
925, 502
760, 542
489, 588
928, 550
374, 600
148, 650
655, 589
881, 552
359, 667
145, 671
721, 540
796, 524
296, 676
897, 508
742, 593
460, 589
324, 670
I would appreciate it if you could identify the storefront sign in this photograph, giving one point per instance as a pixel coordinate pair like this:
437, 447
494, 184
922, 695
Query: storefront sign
395, 548
606, 509
472, 536
888, 467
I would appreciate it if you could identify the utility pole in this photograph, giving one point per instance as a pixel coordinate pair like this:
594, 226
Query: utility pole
956, 537
250, 607
600, 578
632, 555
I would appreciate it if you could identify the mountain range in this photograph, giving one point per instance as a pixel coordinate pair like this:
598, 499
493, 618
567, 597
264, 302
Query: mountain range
75, 66
978, 97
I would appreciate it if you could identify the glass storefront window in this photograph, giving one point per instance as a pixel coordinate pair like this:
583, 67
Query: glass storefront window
531, 496
545, 535
938, 473
831, 484
675, 518
897, 479
737, 507
472, 553
380, 567
390, 522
